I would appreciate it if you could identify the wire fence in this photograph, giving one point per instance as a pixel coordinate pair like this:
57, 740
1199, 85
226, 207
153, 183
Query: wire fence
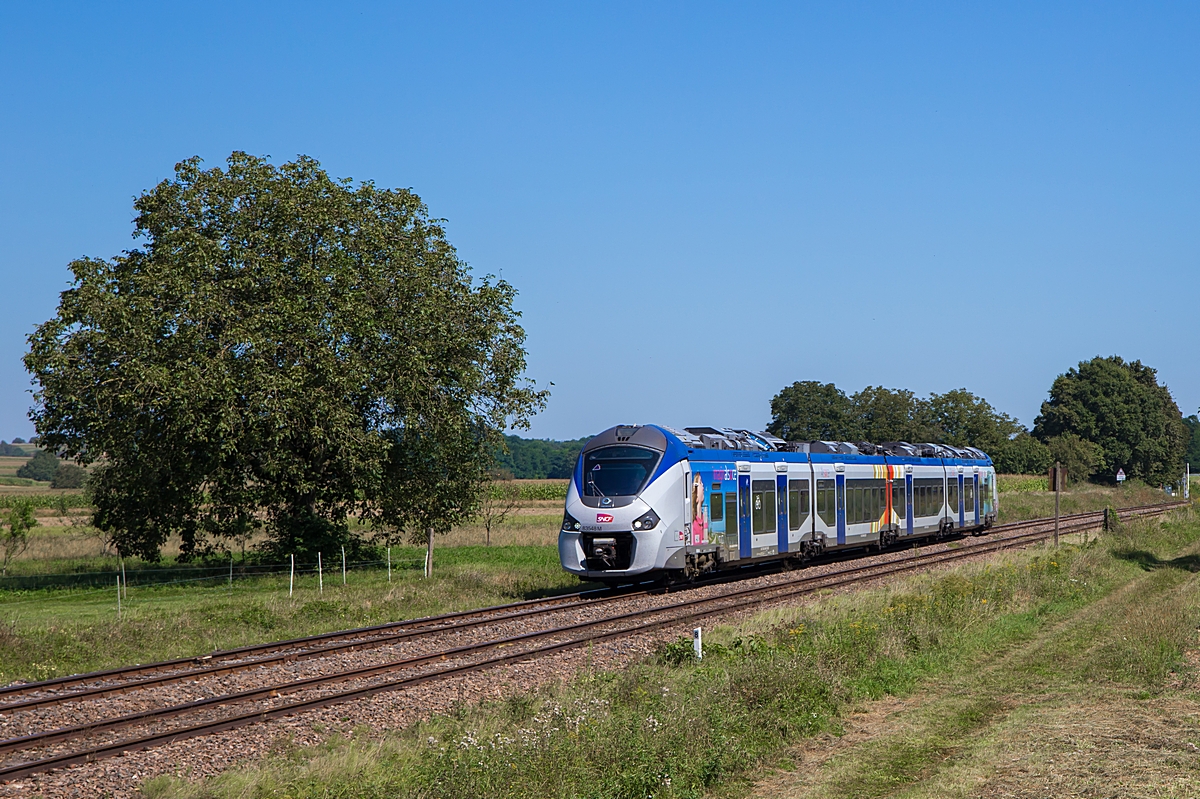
180, 575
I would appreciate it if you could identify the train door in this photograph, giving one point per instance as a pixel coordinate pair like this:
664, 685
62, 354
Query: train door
840, 483
722, 509
781, 500
799, 504
899, 500
824, 524
959, 505
976, 497
764, 510
908, 493
744, 546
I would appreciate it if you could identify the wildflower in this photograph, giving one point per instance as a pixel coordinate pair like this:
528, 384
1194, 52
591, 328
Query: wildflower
984, 601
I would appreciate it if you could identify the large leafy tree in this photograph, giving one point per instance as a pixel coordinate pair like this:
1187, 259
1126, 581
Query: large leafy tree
963, 419
811, 411
883, 414
283, 348
1121, 408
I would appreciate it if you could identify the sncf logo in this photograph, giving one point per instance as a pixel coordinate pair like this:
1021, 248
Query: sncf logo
603, 518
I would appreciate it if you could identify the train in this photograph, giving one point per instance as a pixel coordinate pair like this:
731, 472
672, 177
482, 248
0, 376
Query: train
647, 501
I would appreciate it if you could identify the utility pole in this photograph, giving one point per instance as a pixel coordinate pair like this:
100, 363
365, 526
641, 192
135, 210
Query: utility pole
1057, 494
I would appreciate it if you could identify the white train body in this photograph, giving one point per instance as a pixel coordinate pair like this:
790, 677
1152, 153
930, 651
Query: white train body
648, 501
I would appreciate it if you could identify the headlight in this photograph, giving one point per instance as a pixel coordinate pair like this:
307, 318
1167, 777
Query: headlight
646, 522
569, 525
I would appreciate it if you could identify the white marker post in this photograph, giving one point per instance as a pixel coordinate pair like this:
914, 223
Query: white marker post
231, 572
320, 576
118, 599
124, 582
698, 644
292, 577
343, 565
389, 564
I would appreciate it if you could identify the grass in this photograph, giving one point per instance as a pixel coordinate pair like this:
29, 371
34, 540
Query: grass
49, 633
972, 665
1025, 497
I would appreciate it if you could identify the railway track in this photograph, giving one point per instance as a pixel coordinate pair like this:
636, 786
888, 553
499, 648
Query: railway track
141, 676
265, 702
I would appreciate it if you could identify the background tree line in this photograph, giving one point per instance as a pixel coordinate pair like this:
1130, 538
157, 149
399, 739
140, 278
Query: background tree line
539, 459
1103, 415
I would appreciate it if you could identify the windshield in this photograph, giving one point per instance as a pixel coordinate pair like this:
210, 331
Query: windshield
617, 471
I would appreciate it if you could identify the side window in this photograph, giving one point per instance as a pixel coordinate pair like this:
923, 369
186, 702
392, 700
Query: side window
826, 508
717, 507
969, 495
762, 507
952, 494
797, 503
898, 503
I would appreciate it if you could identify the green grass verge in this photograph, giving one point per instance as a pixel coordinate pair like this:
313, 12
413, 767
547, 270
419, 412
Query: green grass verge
50, 633
676, 727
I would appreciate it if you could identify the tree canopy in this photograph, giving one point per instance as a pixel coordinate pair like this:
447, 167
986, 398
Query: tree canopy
813, 411
283, 348
1121, 408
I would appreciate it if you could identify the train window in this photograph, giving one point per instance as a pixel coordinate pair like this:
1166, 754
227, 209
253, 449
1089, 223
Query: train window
952, 495
617, 471
797, 503
731, 520
762, 509
825, 502
716, 507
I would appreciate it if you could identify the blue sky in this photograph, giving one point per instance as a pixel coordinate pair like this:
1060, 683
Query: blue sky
698, 203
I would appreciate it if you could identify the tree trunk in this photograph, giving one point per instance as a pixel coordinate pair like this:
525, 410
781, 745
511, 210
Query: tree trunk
429, 552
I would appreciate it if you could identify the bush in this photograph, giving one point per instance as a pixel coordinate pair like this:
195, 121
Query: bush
18, 440
1081, 457
1023, 454
9, 451
41, 467
69, 476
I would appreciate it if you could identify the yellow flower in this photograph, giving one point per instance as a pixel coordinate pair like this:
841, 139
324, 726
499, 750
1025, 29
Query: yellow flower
984, 601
